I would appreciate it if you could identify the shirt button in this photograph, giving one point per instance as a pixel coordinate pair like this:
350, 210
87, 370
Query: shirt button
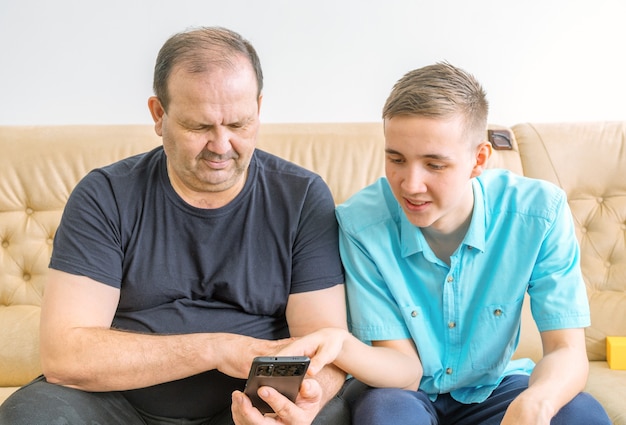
450, 279
470, 247
414, 313
451, 325
449, 371
497, 312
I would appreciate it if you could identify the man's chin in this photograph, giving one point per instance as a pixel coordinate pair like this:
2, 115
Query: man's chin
221, 182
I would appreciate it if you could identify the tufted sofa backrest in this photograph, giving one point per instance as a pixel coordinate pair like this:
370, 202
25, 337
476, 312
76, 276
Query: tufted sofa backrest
349, 156
39, 167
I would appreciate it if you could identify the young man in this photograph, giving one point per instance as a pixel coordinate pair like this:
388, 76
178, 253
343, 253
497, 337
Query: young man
173, 269
438, 256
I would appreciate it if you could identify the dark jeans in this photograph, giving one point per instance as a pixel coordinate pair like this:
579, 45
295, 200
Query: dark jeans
40, 403
395, 406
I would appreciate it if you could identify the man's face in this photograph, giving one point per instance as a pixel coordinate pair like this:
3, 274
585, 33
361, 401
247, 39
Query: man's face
209, 131
429, 164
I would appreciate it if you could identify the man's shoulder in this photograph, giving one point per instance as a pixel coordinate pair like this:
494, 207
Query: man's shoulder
132, 164
270, 163
128, 175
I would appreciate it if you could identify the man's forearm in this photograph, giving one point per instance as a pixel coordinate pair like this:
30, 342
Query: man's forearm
97, 359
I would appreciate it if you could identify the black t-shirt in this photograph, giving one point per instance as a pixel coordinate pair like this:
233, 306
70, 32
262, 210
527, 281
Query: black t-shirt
182, 269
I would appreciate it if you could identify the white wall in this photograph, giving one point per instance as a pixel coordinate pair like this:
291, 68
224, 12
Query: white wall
90, 62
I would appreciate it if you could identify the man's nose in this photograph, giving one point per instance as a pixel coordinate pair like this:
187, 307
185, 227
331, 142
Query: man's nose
218, 141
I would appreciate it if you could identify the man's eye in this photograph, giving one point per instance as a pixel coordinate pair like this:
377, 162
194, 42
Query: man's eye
395, 160
195, 128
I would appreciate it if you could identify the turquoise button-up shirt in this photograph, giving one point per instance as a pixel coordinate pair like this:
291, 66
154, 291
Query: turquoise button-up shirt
464, 318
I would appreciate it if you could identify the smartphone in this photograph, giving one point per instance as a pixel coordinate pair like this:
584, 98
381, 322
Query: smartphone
284, 373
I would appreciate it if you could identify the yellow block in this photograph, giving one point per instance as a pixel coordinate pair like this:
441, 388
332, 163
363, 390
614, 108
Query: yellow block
616, 352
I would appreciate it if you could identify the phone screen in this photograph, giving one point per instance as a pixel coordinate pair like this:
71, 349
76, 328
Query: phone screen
284, 373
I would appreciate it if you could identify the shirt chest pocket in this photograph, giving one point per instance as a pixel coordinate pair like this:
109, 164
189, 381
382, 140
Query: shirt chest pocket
495, 335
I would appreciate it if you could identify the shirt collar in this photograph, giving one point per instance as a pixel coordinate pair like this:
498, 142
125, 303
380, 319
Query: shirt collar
475, 236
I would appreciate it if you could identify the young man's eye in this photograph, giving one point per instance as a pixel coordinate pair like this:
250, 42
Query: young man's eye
437, 167
395, 160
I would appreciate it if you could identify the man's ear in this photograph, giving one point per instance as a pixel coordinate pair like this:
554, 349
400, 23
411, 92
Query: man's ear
157, 112
483, 153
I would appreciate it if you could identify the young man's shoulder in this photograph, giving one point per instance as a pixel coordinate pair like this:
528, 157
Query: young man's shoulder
372, 205
504, 189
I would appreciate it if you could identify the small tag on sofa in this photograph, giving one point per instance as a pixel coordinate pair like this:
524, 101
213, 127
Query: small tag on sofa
500, 139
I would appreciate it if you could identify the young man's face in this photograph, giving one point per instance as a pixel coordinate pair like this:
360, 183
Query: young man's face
429, 164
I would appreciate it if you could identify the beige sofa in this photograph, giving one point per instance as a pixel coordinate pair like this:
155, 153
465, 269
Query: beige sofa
39, 166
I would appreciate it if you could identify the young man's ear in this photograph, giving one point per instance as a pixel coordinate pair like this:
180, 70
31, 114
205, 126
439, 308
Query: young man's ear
157, 112
483, 153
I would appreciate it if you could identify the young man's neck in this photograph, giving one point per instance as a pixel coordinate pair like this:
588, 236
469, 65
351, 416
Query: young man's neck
445, 243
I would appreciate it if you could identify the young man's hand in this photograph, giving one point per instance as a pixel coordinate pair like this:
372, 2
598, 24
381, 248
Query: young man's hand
525, 410
323, 347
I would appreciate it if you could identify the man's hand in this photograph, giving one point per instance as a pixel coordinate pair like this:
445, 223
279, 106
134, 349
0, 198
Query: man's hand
247, 348
307, 405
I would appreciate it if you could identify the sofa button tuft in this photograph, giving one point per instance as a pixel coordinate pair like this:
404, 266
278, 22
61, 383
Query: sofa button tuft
29, 211
26, 277
5, 244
